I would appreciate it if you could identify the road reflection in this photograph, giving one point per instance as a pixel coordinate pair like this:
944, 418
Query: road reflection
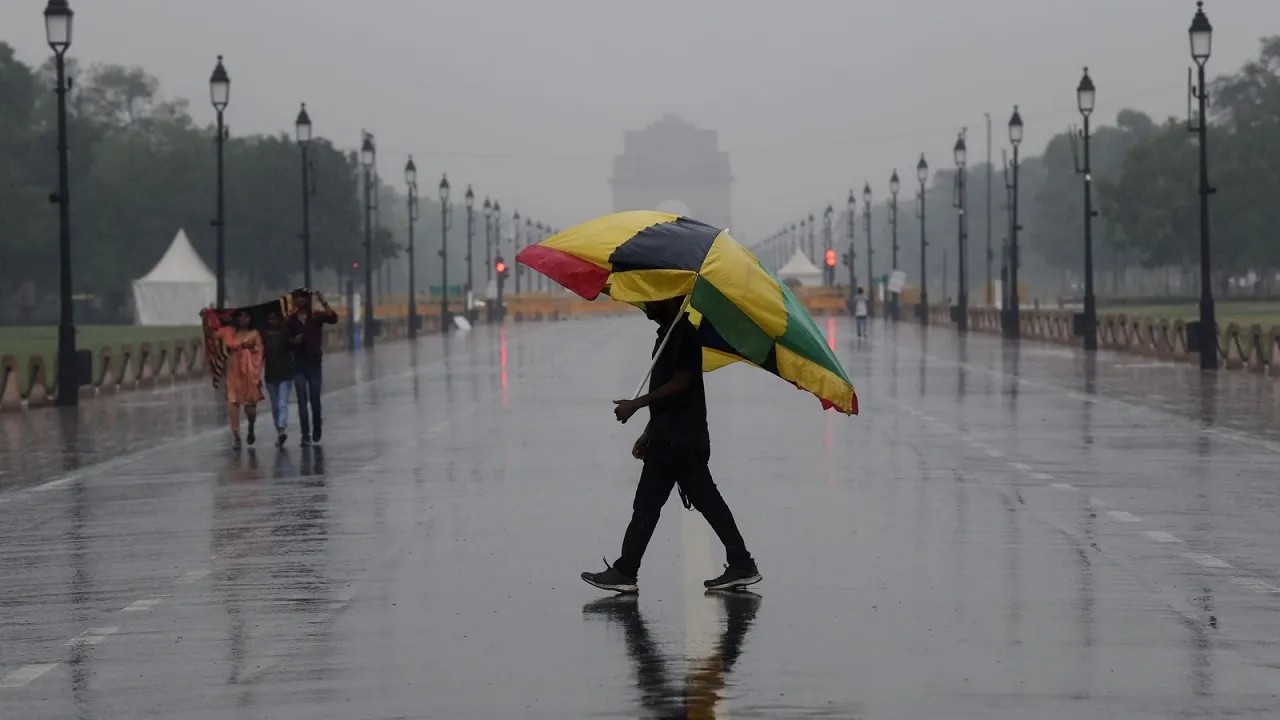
705, 678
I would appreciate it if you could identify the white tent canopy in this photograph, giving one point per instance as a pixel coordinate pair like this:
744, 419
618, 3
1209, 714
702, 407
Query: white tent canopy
800, 268
176, 289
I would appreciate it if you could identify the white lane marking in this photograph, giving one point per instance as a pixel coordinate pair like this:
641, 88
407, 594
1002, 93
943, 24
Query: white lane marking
54, 484
1043, 476
1020, 466
26, 674
1063, 486
1123, 516
1254, 584
193, 576
1099, 502
930, 418
1161, 536
994, 453
93, 636
1204, 560
144, 605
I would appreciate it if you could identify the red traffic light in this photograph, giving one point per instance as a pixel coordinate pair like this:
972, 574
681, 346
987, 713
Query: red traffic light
500, 267
355, 266
831, 258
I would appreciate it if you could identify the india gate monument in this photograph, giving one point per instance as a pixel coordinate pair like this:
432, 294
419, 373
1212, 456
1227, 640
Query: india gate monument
673, 166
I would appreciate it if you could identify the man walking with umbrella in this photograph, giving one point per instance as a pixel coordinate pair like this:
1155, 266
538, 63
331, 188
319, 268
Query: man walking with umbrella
675, 448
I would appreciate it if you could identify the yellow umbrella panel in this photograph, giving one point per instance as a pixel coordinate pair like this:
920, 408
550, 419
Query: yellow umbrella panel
742, 311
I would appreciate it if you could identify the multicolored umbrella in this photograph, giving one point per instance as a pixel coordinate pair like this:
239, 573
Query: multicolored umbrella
212, 320
742, 311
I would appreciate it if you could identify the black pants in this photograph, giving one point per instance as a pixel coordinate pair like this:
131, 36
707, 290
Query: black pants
307, 378
664, 468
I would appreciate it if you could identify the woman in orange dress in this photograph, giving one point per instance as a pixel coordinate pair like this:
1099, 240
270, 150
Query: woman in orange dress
243, 374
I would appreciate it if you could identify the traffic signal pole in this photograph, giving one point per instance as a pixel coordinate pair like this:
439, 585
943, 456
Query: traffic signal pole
500, 272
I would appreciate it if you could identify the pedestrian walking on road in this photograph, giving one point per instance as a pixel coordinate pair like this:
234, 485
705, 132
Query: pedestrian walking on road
675, 448
278, 357
306, 332
243, 374
860, 313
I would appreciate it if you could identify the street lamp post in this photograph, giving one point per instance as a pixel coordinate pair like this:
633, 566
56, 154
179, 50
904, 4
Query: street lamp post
303, 131
962, 258
852, 211
922, 174
411, 180
543, 282
528, 240
57, 25
220, 95
488, 238
497, 230
871, 277
1013, 326
1085, 94
445, 320
812, 250
1201, 33
894, 308
470, 198
1006, 246
367, 157
515, 246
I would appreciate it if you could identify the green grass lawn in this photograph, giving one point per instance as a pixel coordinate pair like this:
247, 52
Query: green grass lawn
1245, 313
23, 342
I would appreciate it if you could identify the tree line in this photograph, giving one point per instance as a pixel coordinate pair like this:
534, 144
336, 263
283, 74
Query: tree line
1146, 179
141, 169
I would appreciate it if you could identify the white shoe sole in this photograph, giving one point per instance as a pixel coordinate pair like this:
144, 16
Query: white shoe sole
613, 588
737, 584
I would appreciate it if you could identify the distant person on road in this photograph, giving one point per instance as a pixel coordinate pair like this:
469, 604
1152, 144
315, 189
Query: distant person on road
243, 374
278, 354
860, 312
675, 448
306, 331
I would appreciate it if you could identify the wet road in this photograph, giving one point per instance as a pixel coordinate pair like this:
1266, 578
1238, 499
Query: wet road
1000, 535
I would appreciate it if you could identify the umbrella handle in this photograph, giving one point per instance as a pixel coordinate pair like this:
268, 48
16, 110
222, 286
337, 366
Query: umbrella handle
661, 346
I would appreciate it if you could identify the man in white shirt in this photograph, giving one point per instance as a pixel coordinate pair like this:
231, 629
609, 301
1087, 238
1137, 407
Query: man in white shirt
860, 313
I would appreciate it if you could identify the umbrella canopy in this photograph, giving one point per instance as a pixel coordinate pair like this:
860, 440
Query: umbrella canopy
742, 311
215, 351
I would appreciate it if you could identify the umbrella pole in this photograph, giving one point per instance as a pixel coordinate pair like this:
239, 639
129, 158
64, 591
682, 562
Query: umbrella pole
661, 346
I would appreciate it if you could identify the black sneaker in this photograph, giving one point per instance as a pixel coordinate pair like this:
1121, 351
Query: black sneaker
315, 436
281, 439
611, 579
235, 442
734, 578
251, 438
306, 441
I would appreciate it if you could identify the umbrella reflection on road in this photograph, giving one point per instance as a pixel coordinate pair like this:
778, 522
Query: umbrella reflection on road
705, 677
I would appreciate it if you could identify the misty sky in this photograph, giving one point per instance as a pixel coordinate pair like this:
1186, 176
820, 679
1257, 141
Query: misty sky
528, 100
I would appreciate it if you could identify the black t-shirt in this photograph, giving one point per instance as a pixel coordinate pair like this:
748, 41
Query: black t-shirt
680, 421
277, 355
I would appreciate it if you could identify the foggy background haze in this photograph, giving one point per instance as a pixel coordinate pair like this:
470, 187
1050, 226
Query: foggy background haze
528, 101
